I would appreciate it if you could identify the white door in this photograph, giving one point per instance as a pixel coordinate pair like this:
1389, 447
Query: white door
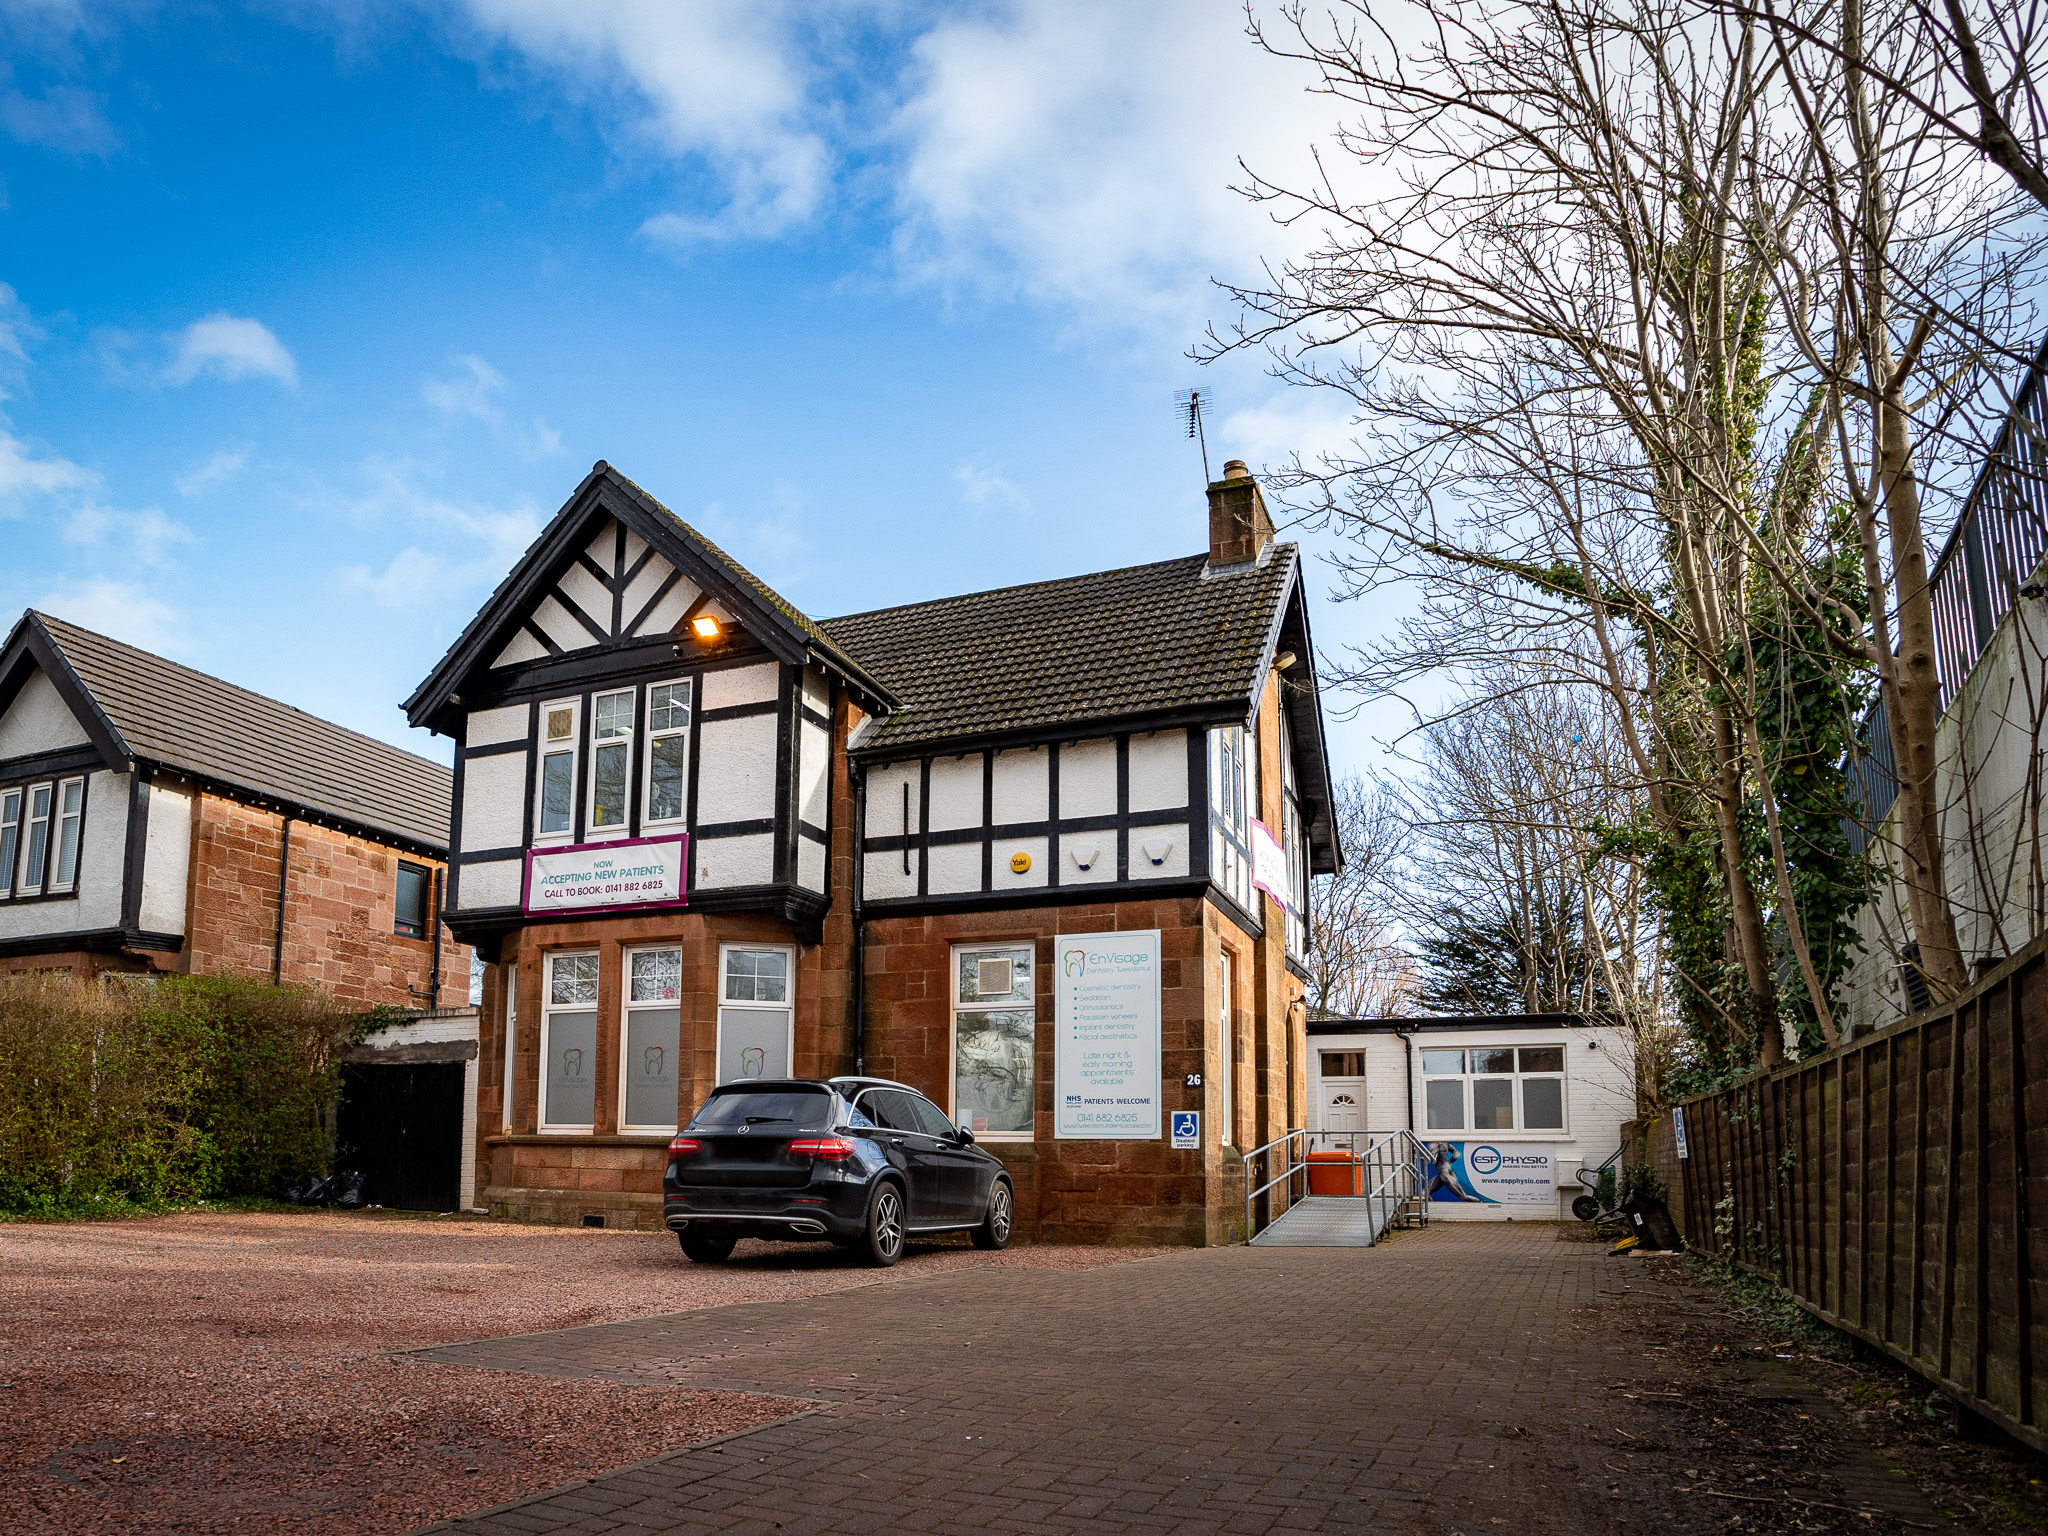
1343, 1106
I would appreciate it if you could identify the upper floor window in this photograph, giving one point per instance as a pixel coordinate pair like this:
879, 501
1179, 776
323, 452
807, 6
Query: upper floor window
556, 813
611, 760
10, 837
70, 818
37, 865
1494, 1088
410, 905
668, 750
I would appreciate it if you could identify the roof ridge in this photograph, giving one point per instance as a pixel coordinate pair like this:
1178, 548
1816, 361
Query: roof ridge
1022, 586
50, 619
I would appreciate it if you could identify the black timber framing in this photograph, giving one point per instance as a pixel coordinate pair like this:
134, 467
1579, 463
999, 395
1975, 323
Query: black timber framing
134, 850
31, 648
1024, 898
452, 893
45, 765
99, 941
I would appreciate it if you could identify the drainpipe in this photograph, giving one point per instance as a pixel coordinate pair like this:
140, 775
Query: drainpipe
284, 865
1408, 1059
434, 977
860, 927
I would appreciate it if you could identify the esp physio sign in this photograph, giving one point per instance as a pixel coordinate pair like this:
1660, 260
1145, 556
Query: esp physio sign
1106, 1036
1483, 1173
587, 877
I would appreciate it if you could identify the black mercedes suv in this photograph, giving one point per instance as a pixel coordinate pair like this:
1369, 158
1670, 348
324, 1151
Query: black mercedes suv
857, 1161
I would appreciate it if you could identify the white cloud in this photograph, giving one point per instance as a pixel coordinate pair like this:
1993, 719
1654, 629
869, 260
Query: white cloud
124, 609
222, 465
229, 347
985, 488
723, 87
23, 474
63, 118
411, 576
487, 539
146, 535
473, 390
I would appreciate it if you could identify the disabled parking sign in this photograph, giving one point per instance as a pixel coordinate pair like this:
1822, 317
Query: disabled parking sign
1187, 1130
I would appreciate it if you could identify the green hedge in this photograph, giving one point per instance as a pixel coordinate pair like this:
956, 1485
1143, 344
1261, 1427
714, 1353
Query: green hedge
150, 1092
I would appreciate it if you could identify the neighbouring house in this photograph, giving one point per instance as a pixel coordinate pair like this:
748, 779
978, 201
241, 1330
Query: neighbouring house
1510, 1109
1040, 852
155, 819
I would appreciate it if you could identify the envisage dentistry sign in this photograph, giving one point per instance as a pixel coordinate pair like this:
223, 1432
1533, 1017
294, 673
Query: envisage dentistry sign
632, 872
1106, 1036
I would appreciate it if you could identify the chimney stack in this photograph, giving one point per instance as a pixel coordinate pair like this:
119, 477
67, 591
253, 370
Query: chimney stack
1239, 527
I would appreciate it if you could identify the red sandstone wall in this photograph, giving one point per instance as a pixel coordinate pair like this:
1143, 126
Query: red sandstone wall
339, 905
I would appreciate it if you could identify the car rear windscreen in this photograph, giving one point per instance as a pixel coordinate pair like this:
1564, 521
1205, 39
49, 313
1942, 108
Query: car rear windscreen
804, 1109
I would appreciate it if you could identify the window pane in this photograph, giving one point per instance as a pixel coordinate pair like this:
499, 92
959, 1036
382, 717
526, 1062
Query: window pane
38, 835
10, 845
1542, 1103
1445, 1103
1343, 1063
1502, 1060
995, 975
411, 902
665, 764
653, 1040
992, 1069
756, 976
668, 706
1493, 1105
614, 714
657, 976
930, 1118
571, 1069
805, 1108
557, 789
1443, 1063
753, 1043
572, 979
608, 794
1542, 1058
67, 834
561, 724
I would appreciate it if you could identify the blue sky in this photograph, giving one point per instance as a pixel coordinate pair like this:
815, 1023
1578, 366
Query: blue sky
313, 314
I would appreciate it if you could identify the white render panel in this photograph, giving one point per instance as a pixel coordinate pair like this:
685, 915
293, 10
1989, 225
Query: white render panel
493, 802
956, 796
884, 876
736, 770
1098, 848
603, 547
956, 867
735, 860
634, 544
1382, 1094
814, 775
556, 623
810, 864
488, 727
889, 813
521, 647
590, 594
495, 884
728, 686
668, 613
641, 589
101, 860
1088, 779
166, 858
39, 721
1022, 784
1170, 842
1159, 771
1002, 878
817, 689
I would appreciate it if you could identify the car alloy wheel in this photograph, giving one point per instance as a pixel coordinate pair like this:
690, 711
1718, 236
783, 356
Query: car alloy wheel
994, 1231
885, 1226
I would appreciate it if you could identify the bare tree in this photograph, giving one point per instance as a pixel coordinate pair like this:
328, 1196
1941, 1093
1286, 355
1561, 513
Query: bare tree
1358, 967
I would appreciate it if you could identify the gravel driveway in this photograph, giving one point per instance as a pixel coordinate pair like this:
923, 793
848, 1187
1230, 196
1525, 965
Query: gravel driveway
231, 1372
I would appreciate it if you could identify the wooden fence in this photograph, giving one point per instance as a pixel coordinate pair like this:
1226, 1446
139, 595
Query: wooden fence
1889, 1185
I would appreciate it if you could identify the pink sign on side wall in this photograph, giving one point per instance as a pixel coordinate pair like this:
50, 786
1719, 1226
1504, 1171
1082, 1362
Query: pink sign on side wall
1269, 864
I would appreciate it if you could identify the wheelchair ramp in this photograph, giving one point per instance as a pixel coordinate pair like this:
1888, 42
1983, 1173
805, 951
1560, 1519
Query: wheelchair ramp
1328, 1221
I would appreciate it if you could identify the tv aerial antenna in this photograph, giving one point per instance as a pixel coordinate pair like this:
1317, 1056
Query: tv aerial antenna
1190, 406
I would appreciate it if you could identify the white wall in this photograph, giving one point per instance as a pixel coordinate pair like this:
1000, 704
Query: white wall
101, 867
726, 686
495, 884
736, 767
746, 860
1088, 779
1021, 787
493, 801
167, 857
1159, 771
39, 721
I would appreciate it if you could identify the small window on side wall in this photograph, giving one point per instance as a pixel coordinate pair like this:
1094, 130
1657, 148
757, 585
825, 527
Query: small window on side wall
415, 881
555, 815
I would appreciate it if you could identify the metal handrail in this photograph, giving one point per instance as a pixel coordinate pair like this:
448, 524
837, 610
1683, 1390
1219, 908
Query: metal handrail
1393, 1161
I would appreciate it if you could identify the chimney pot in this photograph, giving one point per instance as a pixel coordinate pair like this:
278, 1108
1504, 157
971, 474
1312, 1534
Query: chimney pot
1239, 526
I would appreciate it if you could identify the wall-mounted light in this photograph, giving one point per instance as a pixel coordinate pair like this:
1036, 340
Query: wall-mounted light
704, 626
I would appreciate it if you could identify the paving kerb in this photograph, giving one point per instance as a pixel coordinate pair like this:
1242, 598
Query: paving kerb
1254, 1391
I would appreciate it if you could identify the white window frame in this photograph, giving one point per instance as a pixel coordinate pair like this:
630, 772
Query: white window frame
627, 1008
58, 819
543, 750
548, 1010
1468, 1077
592, 832
647, 816
953, 1011
29, 822
722, 1002
12, 802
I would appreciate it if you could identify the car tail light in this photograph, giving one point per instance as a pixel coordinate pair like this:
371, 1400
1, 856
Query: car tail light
683, 1146
826, 1149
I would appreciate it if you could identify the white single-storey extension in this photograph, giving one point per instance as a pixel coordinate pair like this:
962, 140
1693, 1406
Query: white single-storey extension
1510, 1108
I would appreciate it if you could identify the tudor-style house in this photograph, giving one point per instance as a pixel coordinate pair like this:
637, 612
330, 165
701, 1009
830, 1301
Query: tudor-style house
700, 836
153, 818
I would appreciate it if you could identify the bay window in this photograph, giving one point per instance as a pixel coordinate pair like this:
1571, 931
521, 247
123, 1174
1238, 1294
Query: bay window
10, 838
756, 1012
995, 1036
568, 1044
555, 814
650, 1040
70, 816
36, 866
